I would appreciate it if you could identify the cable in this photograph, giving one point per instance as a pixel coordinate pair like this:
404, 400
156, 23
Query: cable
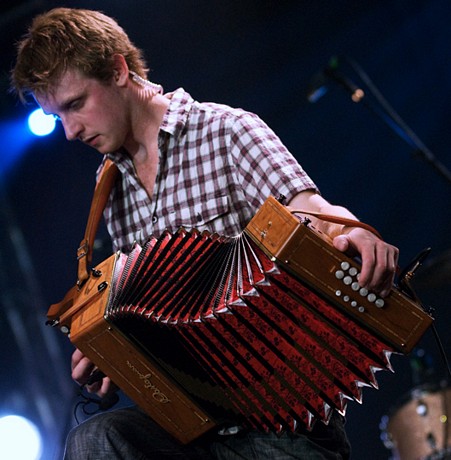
101, 404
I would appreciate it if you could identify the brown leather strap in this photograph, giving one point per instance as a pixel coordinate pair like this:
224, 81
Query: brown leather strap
102, 191
338, 220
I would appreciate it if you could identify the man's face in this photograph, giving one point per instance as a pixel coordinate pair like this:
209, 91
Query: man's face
90, 111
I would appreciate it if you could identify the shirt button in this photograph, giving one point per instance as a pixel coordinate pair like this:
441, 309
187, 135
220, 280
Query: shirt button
154, 219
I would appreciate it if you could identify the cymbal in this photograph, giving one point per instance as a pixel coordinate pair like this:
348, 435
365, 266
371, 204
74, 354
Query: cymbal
435, 273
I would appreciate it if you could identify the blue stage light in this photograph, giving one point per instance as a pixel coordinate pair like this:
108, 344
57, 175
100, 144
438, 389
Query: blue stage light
41, 124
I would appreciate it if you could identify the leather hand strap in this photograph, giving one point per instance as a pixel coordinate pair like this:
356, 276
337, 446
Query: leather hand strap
338, 220
101, 193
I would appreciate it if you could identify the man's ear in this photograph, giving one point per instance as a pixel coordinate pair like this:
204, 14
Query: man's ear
120, 70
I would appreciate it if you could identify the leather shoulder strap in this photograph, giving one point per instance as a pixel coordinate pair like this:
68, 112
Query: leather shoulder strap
102, 191
338, 220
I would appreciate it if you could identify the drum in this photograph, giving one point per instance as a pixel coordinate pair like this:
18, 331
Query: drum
419, 428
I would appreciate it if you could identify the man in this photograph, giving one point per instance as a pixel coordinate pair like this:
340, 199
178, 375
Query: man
182, 163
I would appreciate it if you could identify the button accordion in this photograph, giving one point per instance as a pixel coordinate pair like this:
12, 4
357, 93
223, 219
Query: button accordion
269, 329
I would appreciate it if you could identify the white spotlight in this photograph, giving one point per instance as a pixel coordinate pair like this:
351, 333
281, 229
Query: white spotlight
41, 124
19, 439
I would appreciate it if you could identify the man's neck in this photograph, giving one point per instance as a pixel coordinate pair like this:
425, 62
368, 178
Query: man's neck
145, 127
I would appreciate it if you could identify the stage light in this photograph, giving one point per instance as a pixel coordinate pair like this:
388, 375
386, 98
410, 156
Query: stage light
19, 439
41, 124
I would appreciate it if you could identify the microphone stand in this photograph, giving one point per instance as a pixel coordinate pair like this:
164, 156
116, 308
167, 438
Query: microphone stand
397, 124
389, 116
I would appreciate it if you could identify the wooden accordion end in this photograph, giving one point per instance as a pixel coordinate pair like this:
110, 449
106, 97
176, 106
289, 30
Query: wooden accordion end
268, 329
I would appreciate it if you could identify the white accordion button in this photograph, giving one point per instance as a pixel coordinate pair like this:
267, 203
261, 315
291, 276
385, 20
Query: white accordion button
355, 286
347, 280
345, 265
379, 303
363, 292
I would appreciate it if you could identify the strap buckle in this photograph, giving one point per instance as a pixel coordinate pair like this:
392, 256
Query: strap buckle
83, 249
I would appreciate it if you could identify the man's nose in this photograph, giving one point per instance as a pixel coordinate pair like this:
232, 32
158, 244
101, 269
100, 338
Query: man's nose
72, 128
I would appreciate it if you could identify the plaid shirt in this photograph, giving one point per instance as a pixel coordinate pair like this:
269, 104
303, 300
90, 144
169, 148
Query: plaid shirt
217, 167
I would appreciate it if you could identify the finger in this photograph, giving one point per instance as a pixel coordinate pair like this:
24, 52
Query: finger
388, 277
345, 244
341, 243
368, 256
102, 387
386, 260
94, 387
82, 370
76, 357
380, 270
107, 387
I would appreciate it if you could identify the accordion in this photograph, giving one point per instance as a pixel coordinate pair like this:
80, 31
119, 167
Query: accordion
269, 329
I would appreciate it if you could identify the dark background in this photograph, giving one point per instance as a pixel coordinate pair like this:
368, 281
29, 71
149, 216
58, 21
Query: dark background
262, 56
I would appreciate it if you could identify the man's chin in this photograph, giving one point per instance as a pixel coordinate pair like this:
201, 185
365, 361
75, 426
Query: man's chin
101, 149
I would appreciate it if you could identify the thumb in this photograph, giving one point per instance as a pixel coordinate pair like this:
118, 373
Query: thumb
341, 242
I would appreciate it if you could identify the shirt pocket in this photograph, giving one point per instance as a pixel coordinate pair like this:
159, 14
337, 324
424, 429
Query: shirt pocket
203, 214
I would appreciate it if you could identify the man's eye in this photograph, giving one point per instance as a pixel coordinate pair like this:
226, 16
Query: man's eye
74, 105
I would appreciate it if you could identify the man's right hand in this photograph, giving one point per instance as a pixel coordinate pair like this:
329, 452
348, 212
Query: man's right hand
83, 369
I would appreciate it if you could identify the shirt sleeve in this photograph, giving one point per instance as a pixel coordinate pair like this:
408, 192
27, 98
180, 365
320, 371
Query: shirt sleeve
263, 164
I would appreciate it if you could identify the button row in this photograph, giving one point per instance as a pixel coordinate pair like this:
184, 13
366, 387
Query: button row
347, 299
349, 275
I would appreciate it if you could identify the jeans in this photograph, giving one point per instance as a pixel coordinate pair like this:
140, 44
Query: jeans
129, 434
